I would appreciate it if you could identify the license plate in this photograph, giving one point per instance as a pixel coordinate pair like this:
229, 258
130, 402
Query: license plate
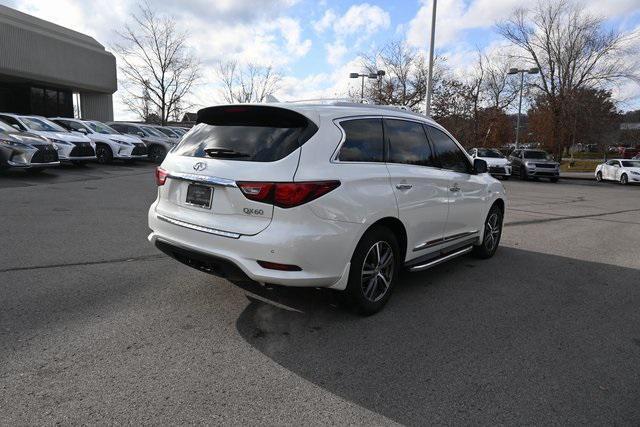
199, 195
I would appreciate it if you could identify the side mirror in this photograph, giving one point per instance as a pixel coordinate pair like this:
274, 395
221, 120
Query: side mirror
80, 131
16, 127
139, 133
479, 166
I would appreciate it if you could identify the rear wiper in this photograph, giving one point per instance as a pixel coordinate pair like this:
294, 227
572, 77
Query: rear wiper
224, 153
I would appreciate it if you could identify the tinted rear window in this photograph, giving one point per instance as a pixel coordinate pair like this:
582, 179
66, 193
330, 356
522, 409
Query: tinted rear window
408, 143
363, 141
247, 133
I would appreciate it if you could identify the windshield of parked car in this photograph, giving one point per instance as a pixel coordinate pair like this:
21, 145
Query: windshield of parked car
631, 163
152, 131
539, 155
102, 128
7, 128
168, 132
42, 125
490, 152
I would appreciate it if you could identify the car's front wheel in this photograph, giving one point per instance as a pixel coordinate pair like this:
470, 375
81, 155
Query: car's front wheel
624, 179
492, 234
104, 154
374, 270
157, 154
599, 176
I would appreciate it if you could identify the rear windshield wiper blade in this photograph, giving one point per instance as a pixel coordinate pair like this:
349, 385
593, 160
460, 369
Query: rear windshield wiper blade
225, 153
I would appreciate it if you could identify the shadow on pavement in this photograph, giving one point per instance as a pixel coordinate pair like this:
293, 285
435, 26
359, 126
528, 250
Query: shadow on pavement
521, 338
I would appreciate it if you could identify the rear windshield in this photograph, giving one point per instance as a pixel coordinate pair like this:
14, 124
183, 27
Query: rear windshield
246, 133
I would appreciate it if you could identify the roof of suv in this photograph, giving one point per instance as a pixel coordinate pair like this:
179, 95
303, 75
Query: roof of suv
335, 110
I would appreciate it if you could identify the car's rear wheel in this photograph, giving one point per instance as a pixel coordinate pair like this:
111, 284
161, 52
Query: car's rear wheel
492, 234
599, 176
104, 154
157, 154
374, 270
624, 179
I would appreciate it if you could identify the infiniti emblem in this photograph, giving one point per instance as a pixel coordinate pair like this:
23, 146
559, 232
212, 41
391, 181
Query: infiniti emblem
200, 166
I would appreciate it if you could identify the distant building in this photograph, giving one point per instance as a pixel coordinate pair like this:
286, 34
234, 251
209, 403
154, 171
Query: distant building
43, 64
189, 117
630, 126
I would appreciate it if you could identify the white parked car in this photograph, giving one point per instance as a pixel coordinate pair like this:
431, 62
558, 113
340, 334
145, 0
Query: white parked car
110, 144
497, 162
320, 196
71, 147
625, 171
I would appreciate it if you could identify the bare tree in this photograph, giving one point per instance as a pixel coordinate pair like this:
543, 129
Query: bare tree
157, 67
405, 79
573, 50
499, 88
251, 83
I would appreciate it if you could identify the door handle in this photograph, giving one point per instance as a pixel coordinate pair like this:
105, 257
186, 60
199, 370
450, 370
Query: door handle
404, 186
454, 188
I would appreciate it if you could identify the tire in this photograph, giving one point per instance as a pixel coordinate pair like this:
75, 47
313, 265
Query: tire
624, 179
372, 275
599, 176
492, 234
104, 154
554, 180
523, 174
157, 154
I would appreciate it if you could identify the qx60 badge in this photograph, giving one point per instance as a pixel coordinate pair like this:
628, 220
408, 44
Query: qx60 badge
200, 166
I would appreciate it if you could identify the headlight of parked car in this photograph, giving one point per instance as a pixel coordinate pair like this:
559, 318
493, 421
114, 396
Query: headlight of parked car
635, 173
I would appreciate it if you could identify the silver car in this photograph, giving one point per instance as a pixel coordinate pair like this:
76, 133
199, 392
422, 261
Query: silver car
157, 143
25, 150
534, 164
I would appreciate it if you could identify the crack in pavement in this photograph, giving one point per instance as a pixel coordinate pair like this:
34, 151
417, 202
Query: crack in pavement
75, 264
559, 217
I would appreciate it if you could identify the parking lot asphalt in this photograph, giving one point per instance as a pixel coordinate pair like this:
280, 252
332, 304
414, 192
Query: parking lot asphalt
96, 326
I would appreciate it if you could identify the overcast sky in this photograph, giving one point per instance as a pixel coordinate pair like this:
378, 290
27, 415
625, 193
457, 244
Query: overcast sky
315, 44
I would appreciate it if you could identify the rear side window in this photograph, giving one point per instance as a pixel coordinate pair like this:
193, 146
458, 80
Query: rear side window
407, 143
449, 154
363, 141
247, 133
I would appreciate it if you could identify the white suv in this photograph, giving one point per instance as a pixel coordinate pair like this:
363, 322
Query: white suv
340, 196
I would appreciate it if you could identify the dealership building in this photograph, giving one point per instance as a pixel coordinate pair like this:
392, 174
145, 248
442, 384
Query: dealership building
45, 67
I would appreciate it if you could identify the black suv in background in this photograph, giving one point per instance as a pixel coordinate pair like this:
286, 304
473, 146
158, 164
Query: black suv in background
534, 164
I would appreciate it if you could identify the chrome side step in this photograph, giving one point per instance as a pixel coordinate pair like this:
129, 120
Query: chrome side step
437, 261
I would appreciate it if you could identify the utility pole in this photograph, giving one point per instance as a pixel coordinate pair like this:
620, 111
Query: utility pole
431, 47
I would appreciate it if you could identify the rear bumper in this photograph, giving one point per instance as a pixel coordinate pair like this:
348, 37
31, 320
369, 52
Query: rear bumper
321, 248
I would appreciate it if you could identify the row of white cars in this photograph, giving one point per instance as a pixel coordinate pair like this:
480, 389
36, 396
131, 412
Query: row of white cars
36, 143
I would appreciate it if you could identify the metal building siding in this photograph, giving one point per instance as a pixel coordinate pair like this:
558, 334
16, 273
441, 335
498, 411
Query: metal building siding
55, 58
96, 106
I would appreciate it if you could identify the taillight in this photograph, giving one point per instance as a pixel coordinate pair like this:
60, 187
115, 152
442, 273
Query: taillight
286, 194
161, 176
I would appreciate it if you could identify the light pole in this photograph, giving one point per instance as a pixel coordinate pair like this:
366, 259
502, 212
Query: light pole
431, 45
375, 75
521, 71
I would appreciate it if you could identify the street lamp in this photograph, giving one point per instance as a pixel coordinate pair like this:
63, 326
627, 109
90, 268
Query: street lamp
375, 75
521, 71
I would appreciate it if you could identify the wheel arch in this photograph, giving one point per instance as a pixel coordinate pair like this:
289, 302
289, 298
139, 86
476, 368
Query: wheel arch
397, 228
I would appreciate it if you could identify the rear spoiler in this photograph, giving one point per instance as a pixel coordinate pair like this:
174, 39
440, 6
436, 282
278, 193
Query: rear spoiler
252, 115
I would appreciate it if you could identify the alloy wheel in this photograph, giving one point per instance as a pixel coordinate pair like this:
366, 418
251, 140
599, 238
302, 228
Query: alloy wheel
492, 231
599, 176
624, 179
377, 271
